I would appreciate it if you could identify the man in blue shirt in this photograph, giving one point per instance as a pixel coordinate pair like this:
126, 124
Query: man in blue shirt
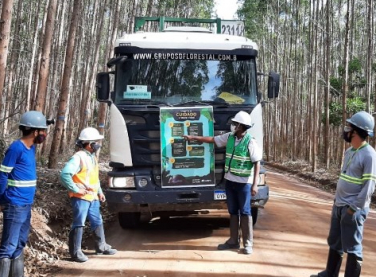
18, 180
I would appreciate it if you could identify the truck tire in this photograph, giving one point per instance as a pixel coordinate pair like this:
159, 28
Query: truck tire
254, 212
129, 220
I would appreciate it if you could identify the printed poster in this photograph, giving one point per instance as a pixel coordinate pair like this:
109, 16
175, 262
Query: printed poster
183, 163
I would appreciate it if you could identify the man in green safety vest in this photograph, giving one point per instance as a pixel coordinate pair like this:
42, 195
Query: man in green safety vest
242, 167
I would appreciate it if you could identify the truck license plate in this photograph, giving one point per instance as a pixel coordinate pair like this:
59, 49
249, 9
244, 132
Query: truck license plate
219, 195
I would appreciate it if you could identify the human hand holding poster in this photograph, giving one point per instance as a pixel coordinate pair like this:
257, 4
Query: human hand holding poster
186, 164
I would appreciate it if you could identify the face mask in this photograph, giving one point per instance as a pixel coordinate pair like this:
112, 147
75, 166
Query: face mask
233, 128
347, 133
40, 139
95, 146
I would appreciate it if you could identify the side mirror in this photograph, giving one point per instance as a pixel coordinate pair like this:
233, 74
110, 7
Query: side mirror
273, 85
103, 86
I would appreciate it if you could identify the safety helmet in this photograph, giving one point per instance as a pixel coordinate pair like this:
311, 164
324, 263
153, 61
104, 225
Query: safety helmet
33, 119
243, 118
364, 121
90, 134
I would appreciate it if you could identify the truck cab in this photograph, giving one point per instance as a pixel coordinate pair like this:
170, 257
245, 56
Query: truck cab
179, 68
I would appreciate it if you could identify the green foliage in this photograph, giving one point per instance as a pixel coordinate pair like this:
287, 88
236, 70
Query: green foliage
253, 12
355, 66
356, 78
353, 105
341, 70
335, 85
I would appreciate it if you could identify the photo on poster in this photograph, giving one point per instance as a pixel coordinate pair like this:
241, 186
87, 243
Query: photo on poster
183, 163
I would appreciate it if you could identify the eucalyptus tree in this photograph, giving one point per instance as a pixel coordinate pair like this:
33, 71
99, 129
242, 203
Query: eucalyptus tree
64, 94
5, 23
45, 57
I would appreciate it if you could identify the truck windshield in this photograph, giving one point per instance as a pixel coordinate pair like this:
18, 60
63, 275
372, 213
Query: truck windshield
175, 82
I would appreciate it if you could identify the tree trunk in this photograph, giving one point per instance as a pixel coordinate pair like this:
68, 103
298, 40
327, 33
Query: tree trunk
46, 56
327, 81
64, 95
13, 64
5, 24
345, 78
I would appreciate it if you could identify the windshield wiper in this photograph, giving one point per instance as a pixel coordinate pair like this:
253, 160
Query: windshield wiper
218, 104
145, 102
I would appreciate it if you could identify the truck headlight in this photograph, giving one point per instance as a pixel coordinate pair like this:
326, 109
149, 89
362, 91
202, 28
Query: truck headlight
122, 182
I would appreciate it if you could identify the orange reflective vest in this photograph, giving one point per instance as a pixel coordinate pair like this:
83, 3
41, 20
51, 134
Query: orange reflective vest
87, 176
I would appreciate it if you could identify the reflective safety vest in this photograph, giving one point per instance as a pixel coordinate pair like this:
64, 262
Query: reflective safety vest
238, 160
88, 176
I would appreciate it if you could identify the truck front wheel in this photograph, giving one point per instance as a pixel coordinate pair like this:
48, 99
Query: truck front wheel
254, 212
129, 220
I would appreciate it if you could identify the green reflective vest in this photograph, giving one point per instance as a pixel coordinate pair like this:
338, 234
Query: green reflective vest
238, 161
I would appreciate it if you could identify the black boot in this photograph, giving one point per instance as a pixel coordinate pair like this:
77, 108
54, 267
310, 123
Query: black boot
333, 265
353, 266
233, 241
247, 233
75, 240
4, 267
101, 247
17, 266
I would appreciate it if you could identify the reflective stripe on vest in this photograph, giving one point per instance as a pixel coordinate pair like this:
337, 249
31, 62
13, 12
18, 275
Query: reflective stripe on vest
87, 176
238, 161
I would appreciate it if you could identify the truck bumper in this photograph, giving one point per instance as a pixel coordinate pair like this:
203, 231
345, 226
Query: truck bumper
173, 200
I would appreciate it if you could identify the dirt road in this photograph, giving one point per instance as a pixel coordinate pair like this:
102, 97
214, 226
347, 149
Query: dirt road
289, 240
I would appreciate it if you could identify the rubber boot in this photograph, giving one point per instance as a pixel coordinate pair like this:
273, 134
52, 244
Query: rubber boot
75, 240
17, 266
333, 265
233, 241
101, 247
5, 267
247, 233
353, 266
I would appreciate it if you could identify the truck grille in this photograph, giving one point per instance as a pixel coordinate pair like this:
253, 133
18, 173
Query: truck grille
144, 134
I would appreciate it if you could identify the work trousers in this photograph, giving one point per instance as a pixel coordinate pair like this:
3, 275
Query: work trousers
82, 210
16, 227
346, 231
238, 198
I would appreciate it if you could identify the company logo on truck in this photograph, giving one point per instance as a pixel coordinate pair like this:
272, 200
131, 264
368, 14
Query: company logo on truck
183, 56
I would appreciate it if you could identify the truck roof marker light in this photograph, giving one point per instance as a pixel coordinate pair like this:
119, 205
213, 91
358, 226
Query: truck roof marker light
247, 46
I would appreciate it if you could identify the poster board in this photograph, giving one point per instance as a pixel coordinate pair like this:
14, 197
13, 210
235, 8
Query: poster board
186, 163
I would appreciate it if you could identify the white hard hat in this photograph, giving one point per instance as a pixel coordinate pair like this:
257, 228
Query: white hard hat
90, 134
243, 118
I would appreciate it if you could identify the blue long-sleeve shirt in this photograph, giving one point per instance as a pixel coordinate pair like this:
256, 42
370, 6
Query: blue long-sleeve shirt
18, 175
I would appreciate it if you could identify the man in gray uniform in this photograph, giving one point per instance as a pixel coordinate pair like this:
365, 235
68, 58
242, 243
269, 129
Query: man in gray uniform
355, 187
